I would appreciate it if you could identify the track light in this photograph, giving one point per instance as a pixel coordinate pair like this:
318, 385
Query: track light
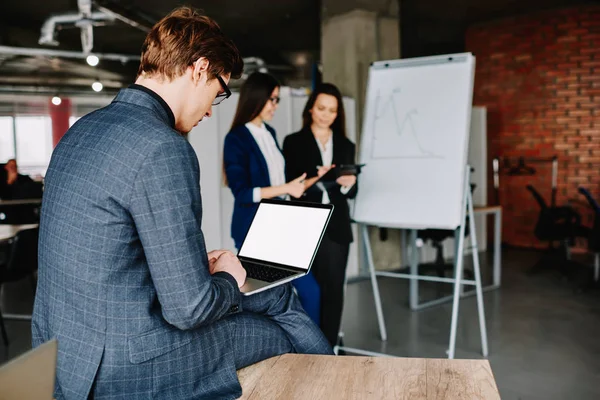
92, 60
97, 86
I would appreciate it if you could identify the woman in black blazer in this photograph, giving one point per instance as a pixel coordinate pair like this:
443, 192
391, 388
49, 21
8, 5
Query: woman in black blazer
316, 149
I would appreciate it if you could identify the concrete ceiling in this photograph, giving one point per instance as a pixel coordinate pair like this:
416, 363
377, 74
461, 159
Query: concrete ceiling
275, 30
438, 26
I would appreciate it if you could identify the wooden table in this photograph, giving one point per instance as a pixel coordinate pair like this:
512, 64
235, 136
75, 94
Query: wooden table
9, 231
295, 376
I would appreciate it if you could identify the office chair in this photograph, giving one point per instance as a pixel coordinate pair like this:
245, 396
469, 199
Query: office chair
437, 238
20, 262
593, 241
555, 224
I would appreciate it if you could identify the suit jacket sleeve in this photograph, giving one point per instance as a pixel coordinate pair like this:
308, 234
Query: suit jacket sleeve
167, 210
293, 165
237, 169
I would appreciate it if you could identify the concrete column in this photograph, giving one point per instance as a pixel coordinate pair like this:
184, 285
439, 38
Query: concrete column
354, 33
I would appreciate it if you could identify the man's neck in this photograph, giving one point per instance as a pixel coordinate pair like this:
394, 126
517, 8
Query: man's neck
169, 91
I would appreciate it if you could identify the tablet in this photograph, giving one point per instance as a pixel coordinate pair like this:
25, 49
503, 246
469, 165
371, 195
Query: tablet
349, 169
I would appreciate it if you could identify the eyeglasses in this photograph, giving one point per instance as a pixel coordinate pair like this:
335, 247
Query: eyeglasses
275, 100
222, 96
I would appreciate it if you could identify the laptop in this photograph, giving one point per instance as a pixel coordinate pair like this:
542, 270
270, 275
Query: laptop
30, 376
282, 242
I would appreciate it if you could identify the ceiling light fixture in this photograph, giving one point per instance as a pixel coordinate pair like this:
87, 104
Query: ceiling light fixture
56, 100
97, 86
92, 60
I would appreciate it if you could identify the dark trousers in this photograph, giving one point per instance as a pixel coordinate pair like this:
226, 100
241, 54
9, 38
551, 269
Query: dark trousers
329, 269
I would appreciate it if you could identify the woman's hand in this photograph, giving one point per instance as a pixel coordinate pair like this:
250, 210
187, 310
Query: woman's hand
346, 180
322, 170
295, 188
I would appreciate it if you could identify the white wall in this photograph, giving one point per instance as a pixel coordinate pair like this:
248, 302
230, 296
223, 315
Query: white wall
207, 140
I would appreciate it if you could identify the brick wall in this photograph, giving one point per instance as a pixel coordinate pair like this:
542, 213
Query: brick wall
539, 77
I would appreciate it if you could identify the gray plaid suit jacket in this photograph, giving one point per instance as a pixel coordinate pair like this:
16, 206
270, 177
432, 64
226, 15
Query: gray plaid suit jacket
123, 272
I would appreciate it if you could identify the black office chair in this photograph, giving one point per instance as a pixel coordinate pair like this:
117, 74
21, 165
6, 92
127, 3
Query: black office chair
555, 224
20, 262
593, 241
437, 238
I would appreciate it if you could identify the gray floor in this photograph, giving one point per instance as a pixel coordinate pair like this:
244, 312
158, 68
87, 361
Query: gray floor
544, 340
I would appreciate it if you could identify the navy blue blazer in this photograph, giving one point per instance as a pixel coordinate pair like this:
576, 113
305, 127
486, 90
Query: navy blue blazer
245, 168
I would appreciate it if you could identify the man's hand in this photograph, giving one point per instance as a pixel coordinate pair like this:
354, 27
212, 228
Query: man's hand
212, 258
226, 261
217, 253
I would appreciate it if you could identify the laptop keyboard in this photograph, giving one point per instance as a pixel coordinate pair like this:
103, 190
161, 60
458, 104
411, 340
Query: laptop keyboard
264, 273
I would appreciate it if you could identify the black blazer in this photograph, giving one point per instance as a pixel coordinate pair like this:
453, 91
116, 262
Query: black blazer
302, 154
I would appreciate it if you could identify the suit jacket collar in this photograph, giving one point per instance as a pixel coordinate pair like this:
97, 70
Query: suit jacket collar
256, 149
144, 97
316, 152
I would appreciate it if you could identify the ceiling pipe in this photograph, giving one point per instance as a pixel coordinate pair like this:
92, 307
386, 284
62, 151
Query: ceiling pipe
252, 63
123, 15
39, 81
48, 31
51, 91
84, 20
33, 52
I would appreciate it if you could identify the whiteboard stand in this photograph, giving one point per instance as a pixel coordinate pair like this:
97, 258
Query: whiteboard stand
414, 277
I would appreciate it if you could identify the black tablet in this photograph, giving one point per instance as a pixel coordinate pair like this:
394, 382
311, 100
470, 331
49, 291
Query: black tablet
349, 169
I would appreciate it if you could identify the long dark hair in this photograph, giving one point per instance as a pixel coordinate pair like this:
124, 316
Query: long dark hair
339, 125
254, 94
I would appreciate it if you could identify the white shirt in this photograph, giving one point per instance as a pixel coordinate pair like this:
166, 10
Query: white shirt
273, 157
327, 158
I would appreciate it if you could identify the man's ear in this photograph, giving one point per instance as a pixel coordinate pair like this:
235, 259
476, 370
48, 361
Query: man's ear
200, 69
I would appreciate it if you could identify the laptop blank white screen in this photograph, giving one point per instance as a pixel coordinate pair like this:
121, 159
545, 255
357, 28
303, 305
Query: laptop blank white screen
285, 234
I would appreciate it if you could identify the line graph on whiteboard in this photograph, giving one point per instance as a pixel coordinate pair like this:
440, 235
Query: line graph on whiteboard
395, 131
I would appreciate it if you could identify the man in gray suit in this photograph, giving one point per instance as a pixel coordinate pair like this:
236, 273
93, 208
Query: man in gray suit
139, 308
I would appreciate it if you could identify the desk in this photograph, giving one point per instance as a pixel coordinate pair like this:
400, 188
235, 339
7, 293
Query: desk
25, 211
9, 231
20, 202
297, 376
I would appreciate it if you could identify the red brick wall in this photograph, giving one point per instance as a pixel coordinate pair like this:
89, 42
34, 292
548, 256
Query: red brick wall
539, 77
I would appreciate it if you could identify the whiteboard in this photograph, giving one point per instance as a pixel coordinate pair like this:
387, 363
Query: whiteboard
414, 142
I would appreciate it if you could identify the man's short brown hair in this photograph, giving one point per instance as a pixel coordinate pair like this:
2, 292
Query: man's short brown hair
181, 38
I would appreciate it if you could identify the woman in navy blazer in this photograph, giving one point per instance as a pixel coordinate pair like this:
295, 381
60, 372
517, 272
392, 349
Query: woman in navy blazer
255, 168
